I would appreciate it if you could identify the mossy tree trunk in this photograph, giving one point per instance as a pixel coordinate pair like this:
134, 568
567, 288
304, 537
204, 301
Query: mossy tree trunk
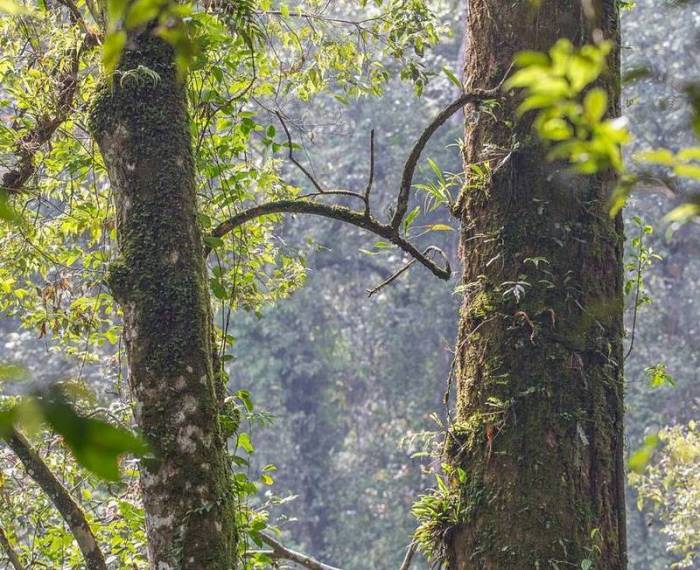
538, 428
141, 125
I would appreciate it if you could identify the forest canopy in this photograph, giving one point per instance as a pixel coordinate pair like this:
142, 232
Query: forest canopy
347, 284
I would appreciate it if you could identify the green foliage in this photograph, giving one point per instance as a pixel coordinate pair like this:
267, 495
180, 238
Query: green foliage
641, 457
570, 111
670, 484
55, 258
658, 376
36, 529
437, 513
571, 115
684, 163
96, 444
12, 8
639, 263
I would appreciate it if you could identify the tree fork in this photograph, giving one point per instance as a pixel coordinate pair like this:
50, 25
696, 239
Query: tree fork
142, 128
538, 436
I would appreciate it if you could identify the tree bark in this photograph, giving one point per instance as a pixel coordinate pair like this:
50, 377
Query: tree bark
538, 428
141, 125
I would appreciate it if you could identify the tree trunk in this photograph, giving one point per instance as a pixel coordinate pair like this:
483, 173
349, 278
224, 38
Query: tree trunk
538, 428
141, 124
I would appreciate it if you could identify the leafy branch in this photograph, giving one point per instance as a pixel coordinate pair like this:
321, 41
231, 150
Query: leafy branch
26, 148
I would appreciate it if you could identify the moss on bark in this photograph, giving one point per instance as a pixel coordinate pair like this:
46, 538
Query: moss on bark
539, 358
139, 120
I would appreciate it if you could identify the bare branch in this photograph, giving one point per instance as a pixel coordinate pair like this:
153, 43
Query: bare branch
10, 551
356, 23
281, 551
70, 510
364, 219
341, 213
294, 160
76, 16
410, 552
390, 279
26, 148
394, 276
409, 168
371, 171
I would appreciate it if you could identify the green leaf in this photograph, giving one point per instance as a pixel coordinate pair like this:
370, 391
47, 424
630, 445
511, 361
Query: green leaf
112, 50
13, 372
7, 212
12, 8
690, 153
244, 396
658, 376
683, 213
141, 12
640, 458
534, 58
556, 129
96, 444
657, 156
115, 11
452, 77
688, 170
245, 442
595, 104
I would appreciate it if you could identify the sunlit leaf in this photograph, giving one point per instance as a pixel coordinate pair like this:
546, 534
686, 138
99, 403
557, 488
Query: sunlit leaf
12, 8
112, 50
96, 444
640, 458
595, 104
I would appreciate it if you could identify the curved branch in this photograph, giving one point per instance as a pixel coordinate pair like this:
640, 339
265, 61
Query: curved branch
409, 168
341, 213
281, 551
71, 511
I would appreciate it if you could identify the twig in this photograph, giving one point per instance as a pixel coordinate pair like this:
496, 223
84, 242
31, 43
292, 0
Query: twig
281, 551
294, 160
70, 510
391, 278
75, 15
410, 552
10, 551
355, 23
368, 189
636, 296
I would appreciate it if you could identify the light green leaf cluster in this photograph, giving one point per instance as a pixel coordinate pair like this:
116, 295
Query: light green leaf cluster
670, 485
571, 115
570, 111
684, 163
